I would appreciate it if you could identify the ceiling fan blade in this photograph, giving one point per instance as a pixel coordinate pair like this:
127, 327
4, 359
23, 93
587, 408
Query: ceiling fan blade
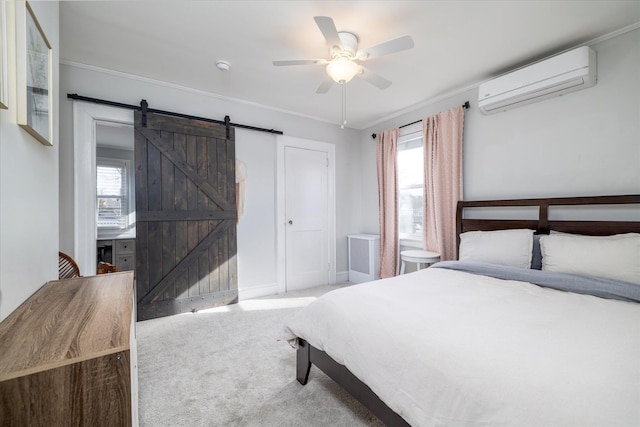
329, 31
385, 48
373, 78
299, 62
325, 85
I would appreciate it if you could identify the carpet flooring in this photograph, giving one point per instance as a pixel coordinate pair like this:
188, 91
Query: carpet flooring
226, 367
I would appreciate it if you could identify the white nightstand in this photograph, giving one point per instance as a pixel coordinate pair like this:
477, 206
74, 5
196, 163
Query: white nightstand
419, 257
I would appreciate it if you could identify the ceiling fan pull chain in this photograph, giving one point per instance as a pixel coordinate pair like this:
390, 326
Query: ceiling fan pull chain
344, 105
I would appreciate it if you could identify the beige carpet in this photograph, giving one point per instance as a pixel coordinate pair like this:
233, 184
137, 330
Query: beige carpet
225, 367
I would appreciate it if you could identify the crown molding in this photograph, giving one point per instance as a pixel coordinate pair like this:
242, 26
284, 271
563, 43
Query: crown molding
188, 89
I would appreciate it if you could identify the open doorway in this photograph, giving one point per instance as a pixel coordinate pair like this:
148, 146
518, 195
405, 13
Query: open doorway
93, 123
115, 195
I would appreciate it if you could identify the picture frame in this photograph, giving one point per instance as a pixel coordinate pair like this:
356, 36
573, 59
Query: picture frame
4, 103
34, 75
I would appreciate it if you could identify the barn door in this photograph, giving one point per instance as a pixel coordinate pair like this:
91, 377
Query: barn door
185, 214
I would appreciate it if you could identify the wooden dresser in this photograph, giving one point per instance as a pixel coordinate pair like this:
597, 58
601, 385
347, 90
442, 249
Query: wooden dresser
68, 355
120, 252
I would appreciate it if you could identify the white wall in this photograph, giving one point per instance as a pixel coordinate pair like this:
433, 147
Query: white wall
257, 272
256, 265
28, 184
580, 144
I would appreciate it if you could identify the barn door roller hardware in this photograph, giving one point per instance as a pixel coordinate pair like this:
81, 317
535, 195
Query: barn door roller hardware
144, 108
227, 122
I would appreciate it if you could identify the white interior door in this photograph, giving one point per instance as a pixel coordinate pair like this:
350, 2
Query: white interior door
307, 218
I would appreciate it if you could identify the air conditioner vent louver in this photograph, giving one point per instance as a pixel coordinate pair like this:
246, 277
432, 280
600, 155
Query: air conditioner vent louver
564, 73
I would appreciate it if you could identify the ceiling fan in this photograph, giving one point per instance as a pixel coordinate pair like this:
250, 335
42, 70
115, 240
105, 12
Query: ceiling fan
345, 56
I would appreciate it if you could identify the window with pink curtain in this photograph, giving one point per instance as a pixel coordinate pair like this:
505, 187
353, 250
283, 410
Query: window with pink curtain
388, 201
442, 139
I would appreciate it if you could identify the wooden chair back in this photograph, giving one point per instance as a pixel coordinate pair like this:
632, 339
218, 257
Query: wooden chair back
67, 267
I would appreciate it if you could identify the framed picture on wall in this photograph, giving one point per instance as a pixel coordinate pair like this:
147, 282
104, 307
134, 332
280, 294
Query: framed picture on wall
35, 106
3, 55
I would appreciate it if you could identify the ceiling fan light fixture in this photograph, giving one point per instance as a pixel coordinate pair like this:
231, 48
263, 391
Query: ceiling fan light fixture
344, 52
342, 70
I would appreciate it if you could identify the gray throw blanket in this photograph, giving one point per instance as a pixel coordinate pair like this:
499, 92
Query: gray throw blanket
588, 285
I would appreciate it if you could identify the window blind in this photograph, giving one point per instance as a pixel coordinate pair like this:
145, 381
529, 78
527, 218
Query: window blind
112, 194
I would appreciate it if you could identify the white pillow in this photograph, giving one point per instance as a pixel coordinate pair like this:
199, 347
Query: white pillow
612, 257
588, 236
505, 247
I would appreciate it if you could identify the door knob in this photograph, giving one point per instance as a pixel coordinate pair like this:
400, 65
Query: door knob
290, 222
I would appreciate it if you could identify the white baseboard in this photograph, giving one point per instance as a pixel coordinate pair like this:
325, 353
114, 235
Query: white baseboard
257, 291
342, 276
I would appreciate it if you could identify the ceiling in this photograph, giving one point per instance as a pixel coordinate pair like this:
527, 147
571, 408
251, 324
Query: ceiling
457, 44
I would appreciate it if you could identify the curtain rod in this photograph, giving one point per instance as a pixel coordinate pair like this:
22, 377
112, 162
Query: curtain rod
142, 107
466, 106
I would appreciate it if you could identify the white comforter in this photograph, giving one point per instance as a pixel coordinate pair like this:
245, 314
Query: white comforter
443, 347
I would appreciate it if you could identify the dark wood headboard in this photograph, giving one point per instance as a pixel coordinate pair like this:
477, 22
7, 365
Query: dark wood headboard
542, 224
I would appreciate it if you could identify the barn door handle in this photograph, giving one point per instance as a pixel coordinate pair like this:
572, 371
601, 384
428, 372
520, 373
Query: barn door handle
290, 222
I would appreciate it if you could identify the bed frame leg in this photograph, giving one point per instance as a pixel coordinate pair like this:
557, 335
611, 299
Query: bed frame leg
303, 363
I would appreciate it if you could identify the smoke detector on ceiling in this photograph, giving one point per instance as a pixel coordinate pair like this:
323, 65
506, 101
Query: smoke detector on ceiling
223, 65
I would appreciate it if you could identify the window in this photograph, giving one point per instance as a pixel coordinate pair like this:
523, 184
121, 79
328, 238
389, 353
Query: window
113, 204
410, 182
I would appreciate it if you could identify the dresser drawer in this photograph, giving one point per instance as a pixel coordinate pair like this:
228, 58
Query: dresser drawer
125, 246
125, 262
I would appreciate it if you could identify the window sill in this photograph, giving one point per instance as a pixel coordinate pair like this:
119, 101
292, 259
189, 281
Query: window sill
412, 243
105, 235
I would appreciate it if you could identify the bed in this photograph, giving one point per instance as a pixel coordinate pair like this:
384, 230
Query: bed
480, 342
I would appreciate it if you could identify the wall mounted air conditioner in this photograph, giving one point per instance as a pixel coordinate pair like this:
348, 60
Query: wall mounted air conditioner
564, 73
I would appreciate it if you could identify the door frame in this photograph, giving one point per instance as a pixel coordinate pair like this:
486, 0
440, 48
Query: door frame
86, 116
330, 149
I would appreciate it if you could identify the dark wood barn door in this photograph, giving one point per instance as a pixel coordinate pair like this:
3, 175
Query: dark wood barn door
185, 215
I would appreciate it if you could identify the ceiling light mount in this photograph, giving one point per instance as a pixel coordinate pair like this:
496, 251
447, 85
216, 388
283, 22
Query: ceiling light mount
341, 68
349, 46
223, 65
